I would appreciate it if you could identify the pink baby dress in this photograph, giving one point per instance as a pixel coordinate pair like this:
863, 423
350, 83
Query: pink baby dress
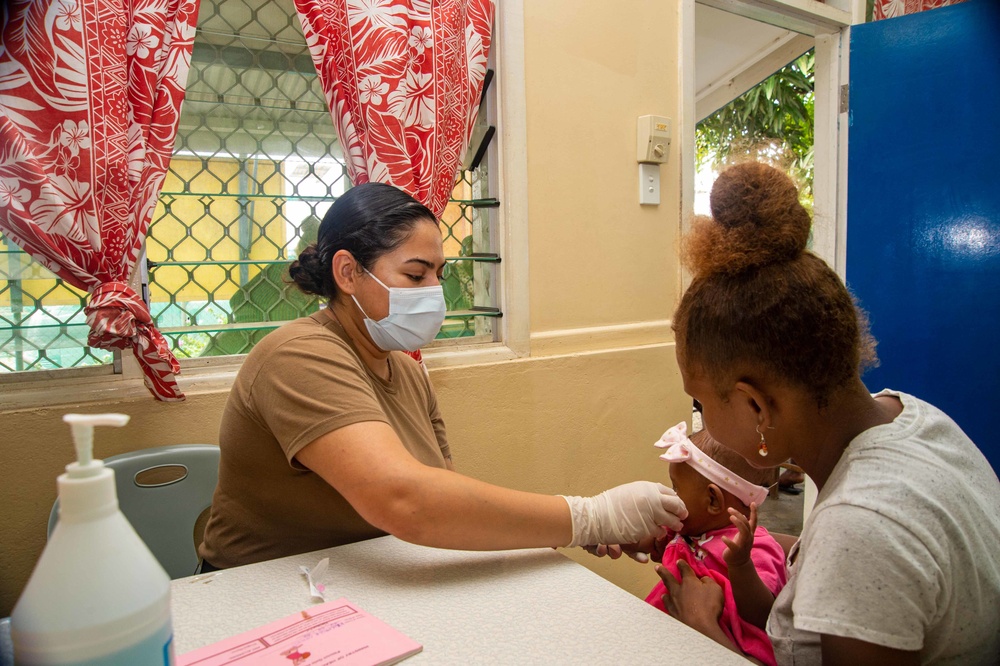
704, 554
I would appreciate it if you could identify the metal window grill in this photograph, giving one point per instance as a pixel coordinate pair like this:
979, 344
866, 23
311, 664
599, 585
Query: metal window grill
256, 164
42, 325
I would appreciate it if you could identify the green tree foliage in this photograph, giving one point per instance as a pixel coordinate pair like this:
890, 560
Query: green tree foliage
457, 281
269, 296
771, 122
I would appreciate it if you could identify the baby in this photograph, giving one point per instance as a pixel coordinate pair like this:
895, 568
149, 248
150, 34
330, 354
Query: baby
720, 537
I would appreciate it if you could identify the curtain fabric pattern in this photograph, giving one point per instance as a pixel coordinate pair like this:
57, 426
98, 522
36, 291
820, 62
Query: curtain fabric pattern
890, 8
403, 80
90, 95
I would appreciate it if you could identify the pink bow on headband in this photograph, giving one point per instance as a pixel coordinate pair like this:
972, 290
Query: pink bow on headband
681, 449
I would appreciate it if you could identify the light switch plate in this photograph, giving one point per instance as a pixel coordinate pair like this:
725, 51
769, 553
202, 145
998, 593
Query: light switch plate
649, 184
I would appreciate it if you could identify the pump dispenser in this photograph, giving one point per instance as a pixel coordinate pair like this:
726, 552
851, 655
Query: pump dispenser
97, 595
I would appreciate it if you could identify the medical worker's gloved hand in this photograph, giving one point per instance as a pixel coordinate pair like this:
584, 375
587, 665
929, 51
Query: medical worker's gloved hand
642, 551
625, 514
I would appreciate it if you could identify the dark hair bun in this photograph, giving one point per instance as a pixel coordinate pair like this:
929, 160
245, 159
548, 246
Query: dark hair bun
756, 220
310, 272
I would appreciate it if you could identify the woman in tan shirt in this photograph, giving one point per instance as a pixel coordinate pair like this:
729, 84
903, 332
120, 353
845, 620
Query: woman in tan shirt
332, 434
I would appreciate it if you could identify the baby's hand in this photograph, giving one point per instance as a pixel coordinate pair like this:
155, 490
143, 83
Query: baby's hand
738, 550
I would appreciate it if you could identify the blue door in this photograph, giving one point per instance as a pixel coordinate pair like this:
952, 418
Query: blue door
923, 238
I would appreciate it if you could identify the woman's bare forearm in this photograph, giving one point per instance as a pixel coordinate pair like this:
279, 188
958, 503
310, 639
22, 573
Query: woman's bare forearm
714, 631
430, 506
448, 510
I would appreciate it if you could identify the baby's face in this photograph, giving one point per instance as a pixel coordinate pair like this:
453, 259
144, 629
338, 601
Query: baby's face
692, 488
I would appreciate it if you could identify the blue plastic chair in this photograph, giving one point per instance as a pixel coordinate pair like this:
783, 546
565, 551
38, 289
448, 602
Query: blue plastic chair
162, 491
6, 646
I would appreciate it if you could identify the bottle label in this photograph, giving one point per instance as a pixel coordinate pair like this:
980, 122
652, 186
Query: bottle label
155, 650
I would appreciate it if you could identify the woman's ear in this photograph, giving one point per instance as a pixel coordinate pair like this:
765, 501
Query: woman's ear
754, 404
716, 500
345, 269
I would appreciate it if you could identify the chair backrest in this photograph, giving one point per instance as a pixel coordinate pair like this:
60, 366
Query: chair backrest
6, 645
164, 512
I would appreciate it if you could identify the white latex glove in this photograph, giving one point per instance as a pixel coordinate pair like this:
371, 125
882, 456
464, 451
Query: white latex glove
625, 514
614, 551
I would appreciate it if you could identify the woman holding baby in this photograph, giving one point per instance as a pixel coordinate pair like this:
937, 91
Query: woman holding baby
898, 562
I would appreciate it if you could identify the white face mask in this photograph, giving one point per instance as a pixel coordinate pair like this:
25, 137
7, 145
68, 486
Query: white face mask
415, 317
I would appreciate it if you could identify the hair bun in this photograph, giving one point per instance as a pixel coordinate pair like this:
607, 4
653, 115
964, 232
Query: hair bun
309, 272
756, 220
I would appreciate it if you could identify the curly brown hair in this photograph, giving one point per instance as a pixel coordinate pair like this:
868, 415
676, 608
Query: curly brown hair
760, 304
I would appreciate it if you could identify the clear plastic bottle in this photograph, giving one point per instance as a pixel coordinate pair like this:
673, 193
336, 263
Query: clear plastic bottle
97, 595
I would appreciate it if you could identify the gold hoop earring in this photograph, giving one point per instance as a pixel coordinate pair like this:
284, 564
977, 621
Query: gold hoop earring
762, 449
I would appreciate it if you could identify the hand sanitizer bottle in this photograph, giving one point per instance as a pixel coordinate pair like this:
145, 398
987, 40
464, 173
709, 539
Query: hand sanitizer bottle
97, 595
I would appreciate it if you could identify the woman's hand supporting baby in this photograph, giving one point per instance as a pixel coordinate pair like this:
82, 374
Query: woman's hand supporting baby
697, 602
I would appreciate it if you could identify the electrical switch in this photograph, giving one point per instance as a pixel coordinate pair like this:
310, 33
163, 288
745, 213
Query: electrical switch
649, 184
652, 139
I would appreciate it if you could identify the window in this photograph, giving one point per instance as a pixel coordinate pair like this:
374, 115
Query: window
42, 325
256, 165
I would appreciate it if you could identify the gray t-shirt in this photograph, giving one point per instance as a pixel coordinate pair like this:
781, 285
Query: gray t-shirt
902, 548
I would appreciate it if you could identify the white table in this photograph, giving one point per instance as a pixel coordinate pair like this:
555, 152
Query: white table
509, 607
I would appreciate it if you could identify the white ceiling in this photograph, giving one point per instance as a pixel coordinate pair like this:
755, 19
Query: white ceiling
733, 54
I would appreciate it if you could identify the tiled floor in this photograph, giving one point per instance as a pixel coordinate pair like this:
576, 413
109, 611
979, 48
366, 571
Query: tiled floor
783, 513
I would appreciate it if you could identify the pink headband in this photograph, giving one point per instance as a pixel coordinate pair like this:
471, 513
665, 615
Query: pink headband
681, 449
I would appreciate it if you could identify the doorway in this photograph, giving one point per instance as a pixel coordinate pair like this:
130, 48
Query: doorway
729, 46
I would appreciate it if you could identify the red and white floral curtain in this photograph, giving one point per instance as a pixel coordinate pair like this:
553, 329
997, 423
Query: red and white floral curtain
889, 8
403, 80
90, 94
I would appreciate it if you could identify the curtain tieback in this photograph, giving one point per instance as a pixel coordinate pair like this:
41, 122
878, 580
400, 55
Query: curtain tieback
118, 319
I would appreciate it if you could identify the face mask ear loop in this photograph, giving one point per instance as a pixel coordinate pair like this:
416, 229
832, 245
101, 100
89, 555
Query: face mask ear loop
372, 276
363, 313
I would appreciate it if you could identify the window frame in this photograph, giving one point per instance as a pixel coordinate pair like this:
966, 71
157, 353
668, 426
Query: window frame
123, 379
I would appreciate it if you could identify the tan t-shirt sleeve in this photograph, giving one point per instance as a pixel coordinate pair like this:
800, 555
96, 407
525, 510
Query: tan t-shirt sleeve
310, 386
436, 420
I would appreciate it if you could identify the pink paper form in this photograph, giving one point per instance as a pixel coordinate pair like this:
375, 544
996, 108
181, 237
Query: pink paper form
336, 632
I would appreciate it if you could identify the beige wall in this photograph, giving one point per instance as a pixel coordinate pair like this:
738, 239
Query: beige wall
36, 446
592, 68
572, 423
